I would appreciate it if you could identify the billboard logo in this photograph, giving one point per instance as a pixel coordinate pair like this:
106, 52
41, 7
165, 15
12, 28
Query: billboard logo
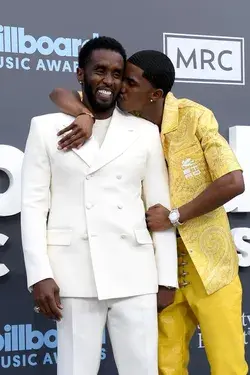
206, 59
20, 345
22, 337
14, 40
16, 47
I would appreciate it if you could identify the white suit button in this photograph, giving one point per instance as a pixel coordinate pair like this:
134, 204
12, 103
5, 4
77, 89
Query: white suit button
123, 236
88, 206
85, 236
119, 177
120, 206
88, 177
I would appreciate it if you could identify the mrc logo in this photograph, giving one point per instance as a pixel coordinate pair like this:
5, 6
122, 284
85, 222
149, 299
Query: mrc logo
205, 58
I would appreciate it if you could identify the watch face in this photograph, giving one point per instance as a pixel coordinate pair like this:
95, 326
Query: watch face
174, 216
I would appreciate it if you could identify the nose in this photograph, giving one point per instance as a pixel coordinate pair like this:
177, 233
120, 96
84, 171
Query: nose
108, 80
123, 89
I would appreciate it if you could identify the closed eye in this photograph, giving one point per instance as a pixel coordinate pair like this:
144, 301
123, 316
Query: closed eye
99, 70
117, 74
130, 82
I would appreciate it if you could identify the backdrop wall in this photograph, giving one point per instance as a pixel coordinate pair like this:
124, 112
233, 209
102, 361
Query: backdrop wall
38, 51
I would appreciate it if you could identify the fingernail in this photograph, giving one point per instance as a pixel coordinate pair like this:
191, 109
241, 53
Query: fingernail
59, 147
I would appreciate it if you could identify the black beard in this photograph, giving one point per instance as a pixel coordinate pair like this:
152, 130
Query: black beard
97, 107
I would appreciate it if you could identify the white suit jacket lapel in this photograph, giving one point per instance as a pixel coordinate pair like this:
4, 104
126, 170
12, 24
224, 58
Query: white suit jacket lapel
120, 135
89, 150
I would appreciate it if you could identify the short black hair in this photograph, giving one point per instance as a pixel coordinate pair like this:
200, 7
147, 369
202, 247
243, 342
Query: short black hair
102, 42
157, 68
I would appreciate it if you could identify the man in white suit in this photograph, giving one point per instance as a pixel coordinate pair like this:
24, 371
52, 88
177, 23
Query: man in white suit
88, 254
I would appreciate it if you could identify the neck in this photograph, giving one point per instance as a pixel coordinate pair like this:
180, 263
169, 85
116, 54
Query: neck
154, 112
98, 115
103, 115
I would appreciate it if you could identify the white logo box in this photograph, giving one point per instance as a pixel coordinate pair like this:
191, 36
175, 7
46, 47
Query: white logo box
206, 58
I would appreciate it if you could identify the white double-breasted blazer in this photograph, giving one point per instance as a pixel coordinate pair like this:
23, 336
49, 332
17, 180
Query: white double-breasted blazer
83, 211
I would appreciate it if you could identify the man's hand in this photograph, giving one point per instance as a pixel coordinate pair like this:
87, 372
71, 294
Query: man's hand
157, 218
165, 297
46, 296
79, 132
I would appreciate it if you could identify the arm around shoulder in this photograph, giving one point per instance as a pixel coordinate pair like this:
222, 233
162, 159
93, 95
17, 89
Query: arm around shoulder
69, 102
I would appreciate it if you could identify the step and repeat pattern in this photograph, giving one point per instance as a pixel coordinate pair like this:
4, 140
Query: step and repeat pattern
209, 46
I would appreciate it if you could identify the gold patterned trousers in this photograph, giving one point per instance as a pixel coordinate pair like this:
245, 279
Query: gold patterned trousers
219, 318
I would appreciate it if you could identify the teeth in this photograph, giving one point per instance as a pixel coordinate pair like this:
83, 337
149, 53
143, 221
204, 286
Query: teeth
105, 92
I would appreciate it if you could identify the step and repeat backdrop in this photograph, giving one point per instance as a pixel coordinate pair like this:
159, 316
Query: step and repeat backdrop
209, 44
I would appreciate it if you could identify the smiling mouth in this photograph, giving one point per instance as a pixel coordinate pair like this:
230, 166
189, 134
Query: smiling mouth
104, 94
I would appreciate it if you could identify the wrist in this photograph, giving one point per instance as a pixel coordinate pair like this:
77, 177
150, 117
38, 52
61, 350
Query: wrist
185, 213
87, 113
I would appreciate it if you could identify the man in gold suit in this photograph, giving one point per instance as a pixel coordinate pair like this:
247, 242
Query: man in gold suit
204, 175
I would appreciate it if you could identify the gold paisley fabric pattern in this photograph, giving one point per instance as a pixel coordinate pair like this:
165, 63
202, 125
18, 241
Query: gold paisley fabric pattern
197, 155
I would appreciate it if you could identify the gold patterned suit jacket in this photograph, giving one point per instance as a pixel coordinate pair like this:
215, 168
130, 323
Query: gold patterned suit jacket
197, 155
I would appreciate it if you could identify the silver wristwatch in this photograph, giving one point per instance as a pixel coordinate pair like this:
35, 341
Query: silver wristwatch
174, 217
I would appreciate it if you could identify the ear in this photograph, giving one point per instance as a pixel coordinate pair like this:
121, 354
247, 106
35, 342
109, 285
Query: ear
157, 94
80, 75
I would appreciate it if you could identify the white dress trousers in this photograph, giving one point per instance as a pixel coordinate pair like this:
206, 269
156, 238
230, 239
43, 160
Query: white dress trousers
132, 326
